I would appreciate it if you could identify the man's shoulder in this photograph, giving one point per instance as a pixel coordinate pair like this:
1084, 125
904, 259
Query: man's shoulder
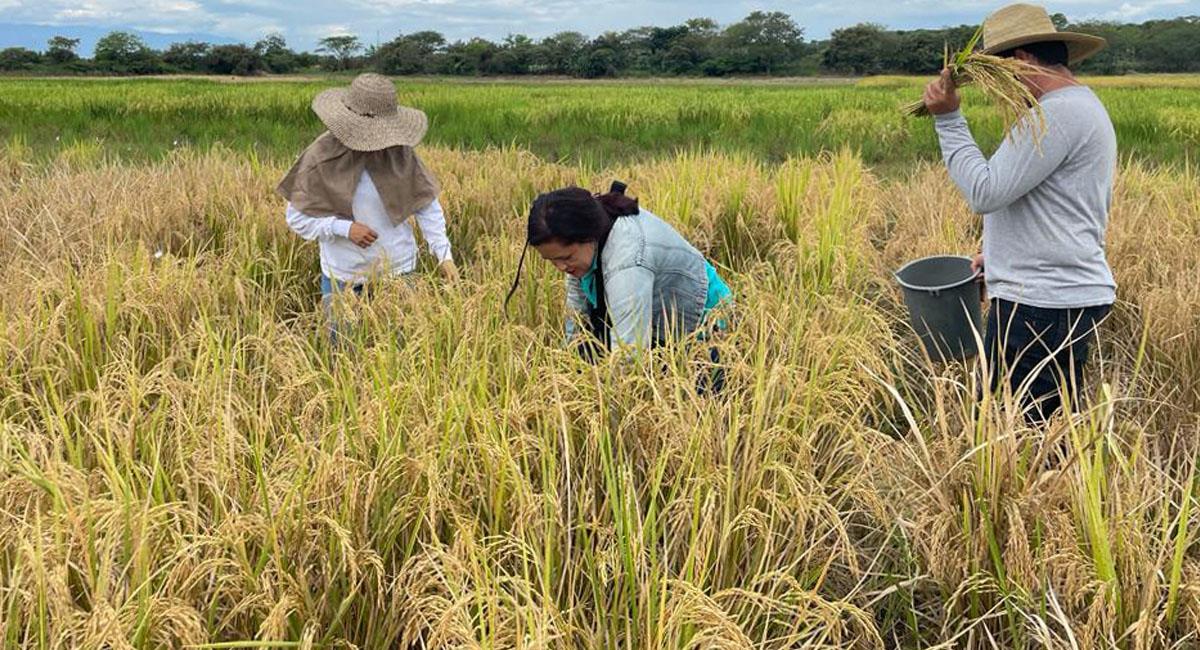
1072, 98
1077, 110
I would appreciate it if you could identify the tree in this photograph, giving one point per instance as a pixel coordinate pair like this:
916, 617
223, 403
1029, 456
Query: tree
307, 60
61, 49
648, 49
688, 52
597, 62
1170, 45
277, 57
471, 57
860, 49
18, 58
920, 51
514, 57
342, 48
238, 60
1060, 21
557, 54
126, 53
602, 58
636, 50
187, 57
1121, 55
415, 53
763, 41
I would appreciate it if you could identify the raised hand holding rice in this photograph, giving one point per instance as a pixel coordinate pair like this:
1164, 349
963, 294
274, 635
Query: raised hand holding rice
998, 78
941, 94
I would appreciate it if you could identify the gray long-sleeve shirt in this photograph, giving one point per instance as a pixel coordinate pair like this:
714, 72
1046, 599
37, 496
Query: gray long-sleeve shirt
1045, 212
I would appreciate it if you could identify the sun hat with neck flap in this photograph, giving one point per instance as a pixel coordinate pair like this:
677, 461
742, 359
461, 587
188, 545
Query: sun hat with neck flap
367, 117
367, 130
1021, 24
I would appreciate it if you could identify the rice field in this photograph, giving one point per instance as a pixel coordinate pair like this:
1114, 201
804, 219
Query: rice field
598, 124
185, 463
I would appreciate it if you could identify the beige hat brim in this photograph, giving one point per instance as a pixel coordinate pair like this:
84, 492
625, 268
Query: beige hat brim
406, 128
1079, 46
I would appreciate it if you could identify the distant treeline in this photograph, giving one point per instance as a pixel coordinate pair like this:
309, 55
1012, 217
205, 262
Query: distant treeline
763, 43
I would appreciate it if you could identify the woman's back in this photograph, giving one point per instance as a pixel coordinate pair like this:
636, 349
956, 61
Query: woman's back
655, 282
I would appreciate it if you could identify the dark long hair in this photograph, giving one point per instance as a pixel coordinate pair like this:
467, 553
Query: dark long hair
572, 215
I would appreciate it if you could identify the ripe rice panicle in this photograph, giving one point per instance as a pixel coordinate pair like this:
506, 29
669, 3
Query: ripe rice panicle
998, 78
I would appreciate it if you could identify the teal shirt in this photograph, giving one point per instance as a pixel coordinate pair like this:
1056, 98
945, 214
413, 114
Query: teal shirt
718, 291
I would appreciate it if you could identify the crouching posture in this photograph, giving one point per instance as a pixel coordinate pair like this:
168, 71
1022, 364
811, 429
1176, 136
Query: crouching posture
632, 280
356, 186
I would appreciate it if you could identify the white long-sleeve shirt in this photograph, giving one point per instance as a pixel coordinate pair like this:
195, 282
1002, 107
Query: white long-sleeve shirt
394, 251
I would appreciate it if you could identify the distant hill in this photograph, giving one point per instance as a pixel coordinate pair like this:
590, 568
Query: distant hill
34, 37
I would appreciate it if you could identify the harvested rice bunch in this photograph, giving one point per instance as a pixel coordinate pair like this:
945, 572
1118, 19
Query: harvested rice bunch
997, 78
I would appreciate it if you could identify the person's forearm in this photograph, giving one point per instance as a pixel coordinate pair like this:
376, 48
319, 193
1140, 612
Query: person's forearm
967, 166
432, 221
316, 228
1019, 164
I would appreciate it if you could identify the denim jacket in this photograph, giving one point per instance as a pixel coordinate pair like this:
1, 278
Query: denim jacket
655, 283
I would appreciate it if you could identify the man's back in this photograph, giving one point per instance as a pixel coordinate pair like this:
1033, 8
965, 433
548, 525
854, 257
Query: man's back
1045, 211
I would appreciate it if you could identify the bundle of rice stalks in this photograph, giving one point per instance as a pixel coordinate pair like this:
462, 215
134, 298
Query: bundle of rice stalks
998, 79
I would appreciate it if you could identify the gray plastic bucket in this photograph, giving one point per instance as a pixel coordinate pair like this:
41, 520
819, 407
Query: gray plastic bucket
942, 294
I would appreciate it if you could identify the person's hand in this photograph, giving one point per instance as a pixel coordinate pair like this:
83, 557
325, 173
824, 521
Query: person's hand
449, 271
941, 94
977, 267
362, 235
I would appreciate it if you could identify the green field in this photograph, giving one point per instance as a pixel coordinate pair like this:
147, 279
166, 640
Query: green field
599, 123
184, 461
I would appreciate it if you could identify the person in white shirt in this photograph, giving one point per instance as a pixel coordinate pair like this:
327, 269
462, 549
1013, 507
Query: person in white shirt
356, 187
352, 251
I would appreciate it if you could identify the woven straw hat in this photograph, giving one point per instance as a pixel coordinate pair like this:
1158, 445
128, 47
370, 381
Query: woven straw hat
1022, 24
367, 117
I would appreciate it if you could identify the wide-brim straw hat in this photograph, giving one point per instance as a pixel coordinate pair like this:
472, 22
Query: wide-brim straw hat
367, 117
1022, 24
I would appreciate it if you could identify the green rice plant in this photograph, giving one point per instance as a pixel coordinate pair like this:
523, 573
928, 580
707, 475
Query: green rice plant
14, 158
595, 124
1180, 538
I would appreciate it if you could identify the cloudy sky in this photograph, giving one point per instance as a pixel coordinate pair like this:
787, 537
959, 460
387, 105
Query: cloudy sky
305, 21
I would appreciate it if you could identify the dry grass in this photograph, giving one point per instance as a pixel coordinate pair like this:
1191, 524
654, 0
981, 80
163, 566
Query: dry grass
183, 461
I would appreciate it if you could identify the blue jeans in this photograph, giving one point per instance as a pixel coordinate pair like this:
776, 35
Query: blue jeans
1046, 347
330, 287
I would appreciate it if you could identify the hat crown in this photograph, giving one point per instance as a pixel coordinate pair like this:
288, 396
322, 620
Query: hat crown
1016, 21
372, 95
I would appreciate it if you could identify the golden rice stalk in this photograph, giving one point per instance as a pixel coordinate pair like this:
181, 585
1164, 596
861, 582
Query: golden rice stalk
998, 78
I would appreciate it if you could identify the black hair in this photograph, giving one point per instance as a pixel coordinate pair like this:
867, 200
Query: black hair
570, 215
1047, 53
573, 215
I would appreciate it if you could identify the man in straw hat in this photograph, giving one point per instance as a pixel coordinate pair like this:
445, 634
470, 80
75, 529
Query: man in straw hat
1045, 210
356, 186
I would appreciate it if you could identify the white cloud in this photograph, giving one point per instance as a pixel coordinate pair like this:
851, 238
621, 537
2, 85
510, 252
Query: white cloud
1135, 10
247, 26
